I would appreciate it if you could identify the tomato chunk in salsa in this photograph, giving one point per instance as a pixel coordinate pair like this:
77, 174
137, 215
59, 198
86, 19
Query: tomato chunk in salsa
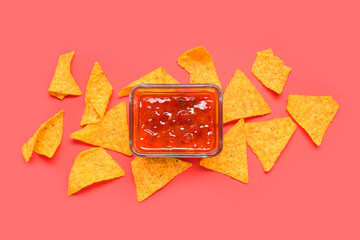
180, 121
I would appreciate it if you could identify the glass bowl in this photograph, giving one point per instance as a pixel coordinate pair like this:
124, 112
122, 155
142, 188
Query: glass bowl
176, 120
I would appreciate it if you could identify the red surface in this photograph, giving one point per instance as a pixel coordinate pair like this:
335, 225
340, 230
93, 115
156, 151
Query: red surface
174, 122
311, 193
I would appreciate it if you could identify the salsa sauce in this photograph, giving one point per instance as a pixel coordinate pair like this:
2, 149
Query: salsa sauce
176, 122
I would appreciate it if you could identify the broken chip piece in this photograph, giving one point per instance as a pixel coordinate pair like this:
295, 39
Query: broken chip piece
242, 100
313, 113
63, 83
91, 166
270, 70
158, 76
112, 132
199, 64
232, 161
267, 139
46, 139
151, 174
98, 92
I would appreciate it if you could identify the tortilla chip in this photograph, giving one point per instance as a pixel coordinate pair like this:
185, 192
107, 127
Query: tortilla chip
158, 76
270, 70
232, 161
111, 133
199, 64
313, 113
46, 139
151, 174
268, 139
91, 166
63, 83
242, 100
98, 92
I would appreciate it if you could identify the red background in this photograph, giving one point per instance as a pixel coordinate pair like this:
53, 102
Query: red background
311, 193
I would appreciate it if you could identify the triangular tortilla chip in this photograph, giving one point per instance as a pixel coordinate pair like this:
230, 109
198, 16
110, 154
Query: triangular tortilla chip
98, 92
199, 64
63, 83
151, 174
312, 113
111, 133
232, 161
91, 166
242, 100
268, 139
270, 70
46, 139
158, 76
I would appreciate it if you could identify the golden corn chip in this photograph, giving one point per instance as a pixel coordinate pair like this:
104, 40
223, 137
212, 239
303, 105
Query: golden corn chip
232, 160
98, 92
242, 100
312, 113
268, 139
63, 83
46, 139
199, 64
112, 132
91, 166
151, 174
270, 70
158, 76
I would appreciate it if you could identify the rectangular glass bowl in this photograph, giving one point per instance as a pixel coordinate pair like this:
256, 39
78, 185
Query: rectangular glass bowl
176, 120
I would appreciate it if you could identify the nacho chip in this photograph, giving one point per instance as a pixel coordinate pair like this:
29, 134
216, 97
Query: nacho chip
242, 100
268, 139
199, 64
270, 70
63, 83
158, 76
111, 133
313, 113
151, 174
91, 166
98, 92
232, 161
46, 139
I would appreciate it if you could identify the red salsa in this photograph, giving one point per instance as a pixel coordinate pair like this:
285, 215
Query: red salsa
177, 121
